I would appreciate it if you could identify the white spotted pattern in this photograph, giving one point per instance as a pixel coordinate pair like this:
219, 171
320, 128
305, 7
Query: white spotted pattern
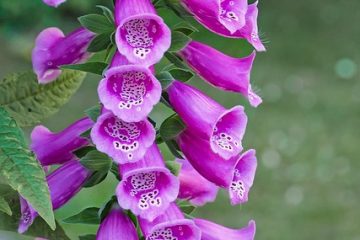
162, 234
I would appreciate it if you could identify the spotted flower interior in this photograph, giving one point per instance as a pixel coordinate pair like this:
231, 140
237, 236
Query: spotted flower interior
173, 232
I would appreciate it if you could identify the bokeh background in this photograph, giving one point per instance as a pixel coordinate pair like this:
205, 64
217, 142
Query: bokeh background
306, 133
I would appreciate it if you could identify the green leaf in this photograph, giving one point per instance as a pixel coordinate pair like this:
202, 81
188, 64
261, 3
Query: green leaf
171, 127
173, 166
4, 206
87, 237
165, 79
186, 207
86, 216
185, 27
90, 67
178, 41
105, 210
29, 102
81, 152
7, 235
96, 178
181, 75
100, 43
107, 13
177, 8
96, 23
96, 161
175, 60
21, 170
115, 170
93, 112
173, 148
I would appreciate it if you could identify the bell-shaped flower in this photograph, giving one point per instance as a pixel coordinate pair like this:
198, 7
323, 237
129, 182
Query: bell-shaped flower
53, 49
226, 73
56, 148
117, 226
194, 187
224, 128
147, 186
54, 3
213, 231
141, 35
236, 175
170, 225
63, 184
228, 18
129, 91
123, 141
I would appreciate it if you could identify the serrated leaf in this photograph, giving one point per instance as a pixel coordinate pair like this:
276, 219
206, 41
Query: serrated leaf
93, 112
100, 42
173, 166
171, 127
165, 79
181, 75
96, 178
96, 23
4, 206
96, 161
86, 216
178, 41
107, 13
87, 237
29, 102
21, 170
90, 67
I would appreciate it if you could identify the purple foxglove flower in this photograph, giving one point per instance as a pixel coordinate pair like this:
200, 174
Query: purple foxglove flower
54, 3
53, 49
123, 141
206, 118
141, 36
194, 187
147, 186
117, 226
60, 191
227, 73
56, 148
213, 231
227, 18
129, 91
170, 225
236, 175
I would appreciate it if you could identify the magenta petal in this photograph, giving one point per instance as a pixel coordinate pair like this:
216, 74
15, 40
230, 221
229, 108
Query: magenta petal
200, 56
60, 191
194, 187
56, 148
147, 187
54, 3
52, 49
141, 36
117, 226
243, 177
124, 142
213, 231
209, 120
130, 92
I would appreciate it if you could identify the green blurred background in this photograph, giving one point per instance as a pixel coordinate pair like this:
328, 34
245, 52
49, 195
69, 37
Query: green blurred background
306, 132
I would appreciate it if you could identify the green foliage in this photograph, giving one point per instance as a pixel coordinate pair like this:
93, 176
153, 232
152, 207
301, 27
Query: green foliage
171, 127
181, 74
21, 170
178, 41
86, 216
186, 28
186, 207
174, 167
30, 102
87, 237
96, 161
4, 206
107, 13
165, 79
90, 67
96, 23
93, 112
100, 42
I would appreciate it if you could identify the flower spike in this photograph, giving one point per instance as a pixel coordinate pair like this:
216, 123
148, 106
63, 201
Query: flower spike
54, 3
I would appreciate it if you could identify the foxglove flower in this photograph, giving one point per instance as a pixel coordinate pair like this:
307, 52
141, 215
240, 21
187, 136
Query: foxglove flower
123, 141
56, 148
228, 18
236, 175
206, 118
129, 91
170, 225
53, 49
194, 187
54, 3
147, 186
63, 184
213, 231
141, 35
227, 73
117, 226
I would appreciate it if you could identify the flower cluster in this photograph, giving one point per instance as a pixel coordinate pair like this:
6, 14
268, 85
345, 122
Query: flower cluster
209, 146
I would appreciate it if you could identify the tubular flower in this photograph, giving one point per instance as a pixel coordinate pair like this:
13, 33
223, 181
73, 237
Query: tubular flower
170, 225
213, 231
237, 76
227, 18
147, 186
56, 148
60, 191
53, 49
54, 3
129, 91
207, 119
123, 141
236, 175
117, 226
141, 35
194, 187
